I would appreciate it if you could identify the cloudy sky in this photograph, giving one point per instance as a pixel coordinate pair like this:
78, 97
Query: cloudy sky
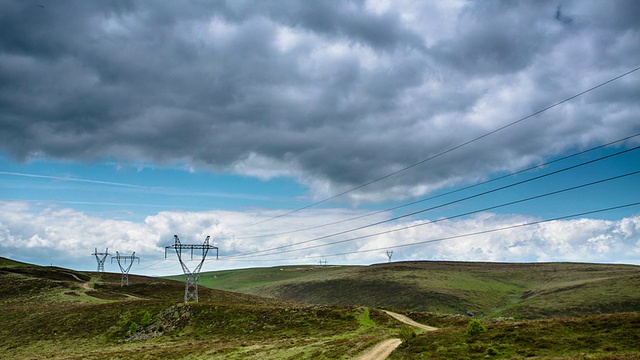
299, 131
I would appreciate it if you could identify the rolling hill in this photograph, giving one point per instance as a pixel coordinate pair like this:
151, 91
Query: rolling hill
520, 290
57, 313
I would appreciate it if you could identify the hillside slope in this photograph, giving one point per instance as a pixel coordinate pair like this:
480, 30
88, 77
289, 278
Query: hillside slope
56, 313
533, 290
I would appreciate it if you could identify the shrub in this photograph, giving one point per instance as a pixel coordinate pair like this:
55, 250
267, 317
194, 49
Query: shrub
492, 352
146, 319
475, 328
133, 328
407, 334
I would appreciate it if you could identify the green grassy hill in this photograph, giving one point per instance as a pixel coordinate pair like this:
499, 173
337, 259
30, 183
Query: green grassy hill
7, 263
56, 313
591, 337
535, 290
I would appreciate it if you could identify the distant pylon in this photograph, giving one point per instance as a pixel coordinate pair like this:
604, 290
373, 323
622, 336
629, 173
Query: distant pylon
122, 262
191, 286
323, 265
101, 257
389, 254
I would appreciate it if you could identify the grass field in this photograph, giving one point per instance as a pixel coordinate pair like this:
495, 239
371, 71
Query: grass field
528, 291
56, 313
588, 337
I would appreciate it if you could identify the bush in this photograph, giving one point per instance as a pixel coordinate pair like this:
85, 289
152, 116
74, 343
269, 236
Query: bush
146, 319
133, 328
407, 334
475, 328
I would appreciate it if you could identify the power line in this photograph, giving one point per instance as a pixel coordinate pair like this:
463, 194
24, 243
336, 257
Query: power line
454, 216
493, 230
445, 204
462, 235
440, 195
446, 151
153, 264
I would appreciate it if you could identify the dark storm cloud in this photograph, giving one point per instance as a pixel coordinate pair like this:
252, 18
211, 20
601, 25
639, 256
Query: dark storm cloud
333, 93
346, 19
560, 16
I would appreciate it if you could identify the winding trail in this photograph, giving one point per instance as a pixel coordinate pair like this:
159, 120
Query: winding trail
408, 321
83, 284
382, 350
385, 348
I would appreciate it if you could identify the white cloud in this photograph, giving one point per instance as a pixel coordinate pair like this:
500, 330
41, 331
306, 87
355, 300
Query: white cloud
587, 240
67, 238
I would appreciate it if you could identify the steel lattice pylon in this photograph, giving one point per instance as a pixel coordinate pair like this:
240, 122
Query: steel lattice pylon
122, 262
101, 257
191, 287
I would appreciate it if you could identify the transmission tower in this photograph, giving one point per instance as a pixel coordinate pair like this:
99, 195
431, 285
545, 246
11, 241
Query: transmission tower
323, 265
389, 254
101, 257
191, 287
123, 260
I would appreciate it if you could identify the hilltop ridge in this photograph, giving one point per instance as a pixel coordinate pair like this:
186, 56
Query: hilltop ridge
523, 290
56, 313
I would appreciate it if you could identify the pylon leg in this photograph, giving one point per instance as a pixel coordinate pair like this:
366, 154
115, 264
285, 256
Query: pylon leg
191, 288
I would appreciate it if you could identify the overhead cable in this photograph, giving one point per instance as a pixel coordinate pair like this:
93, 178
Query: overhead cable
445, 204
445, 151
439, 195
591, 212
450, 217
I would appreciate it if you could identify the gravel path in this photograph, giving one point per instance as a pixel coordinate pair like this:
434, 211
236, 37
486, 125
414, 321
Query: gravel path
382, 350
83, 284
408, 321
385, 348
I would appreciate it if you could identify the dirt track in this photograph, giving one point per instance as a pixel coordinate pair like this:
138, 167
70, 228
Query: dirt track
408, 321
82, 284
383, 349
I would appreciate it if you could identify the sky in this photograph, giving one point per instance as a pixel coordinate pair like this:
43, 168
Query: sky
298, 132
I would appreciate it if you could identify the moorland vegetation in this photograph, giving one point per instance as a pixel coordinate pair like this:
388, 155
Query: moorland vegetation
520, 310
